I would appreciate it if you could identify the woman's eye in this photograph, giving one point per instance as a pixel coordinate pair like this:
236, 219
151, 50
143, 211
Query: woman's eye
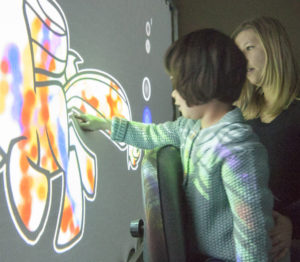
248, 48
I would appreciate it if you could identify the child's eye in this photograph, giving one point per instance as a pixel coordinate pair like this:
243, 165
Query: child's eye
249, 47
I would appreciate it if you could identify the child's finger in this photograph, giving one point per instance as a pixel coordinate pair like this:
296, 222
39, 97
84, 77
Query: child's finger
81, 117
85, 126
78, 115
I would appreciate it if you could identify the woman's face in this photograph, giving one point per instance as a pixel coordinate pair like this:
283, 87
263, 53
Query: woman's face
251, 46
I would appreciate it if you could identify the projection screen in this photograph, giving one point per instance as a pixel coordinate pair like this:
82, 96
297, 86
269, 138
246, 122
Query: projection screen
65, 194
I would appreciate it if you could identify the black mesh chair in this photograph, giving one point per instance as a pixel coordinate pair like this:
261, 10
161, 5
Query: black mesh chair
161, 235
162, 177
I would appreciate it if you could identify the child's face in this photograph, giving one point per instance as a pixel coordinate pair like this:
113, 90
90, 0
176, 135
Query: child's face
193, 112
251, 46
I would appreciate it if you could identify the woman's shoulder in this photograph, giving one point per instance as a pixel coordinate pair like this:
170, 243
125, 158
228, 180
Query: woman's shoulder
294, 106
291, 114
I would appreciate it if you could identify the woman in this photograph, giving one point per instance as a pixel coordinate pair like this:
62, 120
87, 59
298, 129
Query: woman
270, 101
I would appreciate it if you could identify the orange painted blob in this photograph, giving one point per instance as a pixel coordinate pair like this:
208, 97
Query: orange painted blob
48, 22
71, 226
67, 218
52, 65
24, 165
25, 190
22, 144
53, 164
76, 231
51, 141
90, 174
44, 161
44, 113
82, 108
42, 192
41, 77
113, 104
93, 101
36, 27
27, 109
4, 88
4, 66
114, 86
26, 186
33, 151
25, 212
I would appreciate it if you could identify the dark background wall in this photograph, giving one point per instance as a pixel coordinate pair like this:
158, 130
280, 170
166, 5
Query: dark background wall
225, 15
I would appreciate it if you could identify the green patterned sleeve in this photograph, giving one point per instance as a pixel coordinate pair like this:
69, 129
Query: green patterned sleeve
146, 136
245, 176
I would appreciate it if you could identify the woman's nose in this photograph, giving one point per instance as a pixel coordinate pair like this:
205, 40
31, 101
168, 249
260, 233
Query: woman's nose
246, 54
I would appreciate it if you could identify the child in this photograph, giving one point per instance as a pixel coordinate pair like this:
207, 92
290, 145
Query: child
229, 205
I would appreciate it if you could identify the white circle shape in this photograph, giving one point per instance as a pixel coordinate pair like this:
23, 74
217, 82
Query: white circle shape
148, 29
146, 88
148, 46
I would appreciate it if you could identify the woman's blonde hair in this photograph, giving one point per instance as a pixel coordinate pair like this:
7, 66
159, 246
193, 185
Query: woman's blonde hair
280, 72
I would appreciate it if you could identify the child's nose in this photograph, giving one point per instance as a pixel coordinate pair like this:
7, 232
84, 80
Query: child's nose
173, 93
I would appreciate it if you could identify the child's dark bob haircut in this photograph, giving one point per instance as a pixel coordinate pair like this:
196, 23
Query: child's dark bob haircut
205, 65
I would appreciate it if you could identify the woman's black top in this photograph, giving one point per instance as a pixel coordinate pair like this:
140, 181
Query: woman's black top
281, 137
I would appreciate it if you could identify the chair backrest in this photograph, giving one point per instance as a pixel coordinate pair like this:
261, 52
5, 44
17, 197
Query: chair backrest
162, 177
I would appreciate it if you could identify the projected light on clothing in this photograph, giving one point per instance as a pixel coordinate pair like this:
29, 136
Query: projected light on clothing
40, 84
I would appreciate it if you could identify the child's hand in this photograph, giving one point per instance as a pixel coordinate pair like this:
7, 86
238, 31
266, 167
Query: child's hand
92, 123
281, 236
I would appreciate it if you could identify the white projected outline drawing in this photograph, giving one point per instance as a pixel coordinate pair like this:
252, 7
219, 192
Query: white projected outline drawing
48, 146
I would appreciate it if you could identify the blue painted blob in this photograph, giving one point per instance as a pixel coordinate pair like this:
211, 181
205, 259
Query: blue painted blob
17, 80
46, 33
62, 145
147, 116
65, 158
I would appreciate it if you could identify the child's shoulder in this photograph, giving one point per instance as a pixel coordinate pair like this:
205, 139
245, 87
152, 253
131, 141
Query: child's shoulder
233, 128
240, 137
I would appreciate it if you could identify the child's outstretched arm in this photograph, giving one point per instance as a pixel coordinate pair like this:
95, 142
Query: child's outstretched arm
146, 136
140, 135
245, 178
